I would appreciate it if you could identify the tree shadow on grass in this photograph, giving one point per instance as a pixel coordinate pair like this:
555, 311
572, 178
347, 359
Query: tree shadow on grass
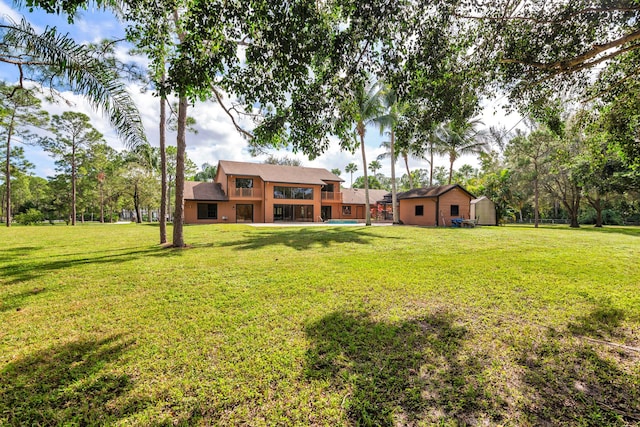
398, 373
626, 230
67, 385
10, 254
303, 238
33, 267
14, 302
571, 379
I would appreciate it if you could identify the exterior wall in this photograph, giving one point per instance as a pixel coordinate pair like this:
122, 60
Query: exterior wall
408, 210
485, 212
269, 200
454, 197
225, 209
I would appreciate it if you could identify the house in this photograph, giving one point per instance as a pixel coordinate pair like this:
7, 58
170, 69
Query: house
264, 193
353, 203
434, 206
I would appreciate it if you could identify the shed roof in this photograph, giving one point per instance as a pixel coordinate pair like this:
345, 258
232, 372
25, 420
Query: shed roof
194, 190
431, 192
356, 196
481, 199
279, 173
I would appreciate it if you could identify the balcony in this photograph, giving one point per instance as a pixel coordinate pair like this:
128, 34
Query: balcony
330, 196
246, 193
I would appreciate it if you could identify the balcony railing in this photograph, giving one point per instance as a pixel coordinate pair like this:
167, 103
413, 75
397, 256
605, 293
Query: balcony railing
331, 196
246, 192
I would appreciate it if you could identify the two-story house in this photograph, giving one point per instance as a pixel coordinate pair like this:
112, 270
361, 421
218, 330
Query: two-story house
256, 192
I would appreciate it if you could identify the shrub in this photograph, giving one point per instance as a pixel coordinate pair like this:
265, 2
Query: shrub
31, 216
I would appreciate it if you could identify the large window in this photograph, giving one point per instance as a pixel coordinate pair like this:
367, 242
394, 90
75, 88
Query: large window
207, 211
300, 193
455, 210
296, 213
420, 210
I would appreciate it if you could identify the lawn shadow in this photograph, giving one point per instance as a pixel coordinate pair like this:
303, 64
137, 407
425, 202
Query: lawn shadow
572, 379
10, 254
627, 230
32, 267
67, 385
14, 302
397, 373
304, 238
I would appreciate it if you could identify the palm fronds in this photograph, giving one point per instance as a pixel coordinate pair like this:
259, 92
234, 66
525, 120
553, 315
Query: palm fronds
61, 62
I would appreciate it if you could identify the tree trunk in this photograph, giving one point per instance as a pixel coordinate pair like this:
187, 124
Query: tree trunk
367, 205
7, 175
431, 165
596, 204
394, 196
136, 203
536, 199
406, 164
73, 183
101, 204
178, 236
451, 160
163, 169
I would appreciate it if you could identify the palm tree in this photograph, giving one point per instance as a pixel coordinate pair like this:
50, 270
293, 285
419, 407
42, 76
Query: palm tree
351, 168
374, 166
57, 59
459, 138
367, 106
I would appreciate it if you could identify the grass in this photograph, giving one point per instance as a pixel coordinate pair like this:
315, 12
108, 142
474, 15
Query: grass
320, 326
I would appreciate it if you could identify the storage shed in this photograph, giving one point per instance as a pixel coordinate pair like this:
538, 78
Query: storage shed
484, 210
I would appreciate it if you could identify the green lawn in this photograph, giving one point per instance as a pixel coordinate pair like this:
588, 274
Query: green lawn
320, 326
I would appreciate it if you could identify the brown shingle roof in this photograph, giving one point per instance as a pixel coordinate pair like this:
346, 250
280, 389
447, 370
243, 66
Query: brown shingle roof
355, 196
428, 192
279, 173
194, 190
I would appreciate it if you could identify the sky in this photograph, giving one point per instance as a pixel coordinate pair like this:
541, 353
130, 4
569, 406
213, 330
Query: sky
216, 138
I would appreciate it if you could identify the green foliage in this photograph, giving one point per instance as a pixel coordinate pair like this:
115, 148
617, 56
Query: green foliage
30, 217
55, 60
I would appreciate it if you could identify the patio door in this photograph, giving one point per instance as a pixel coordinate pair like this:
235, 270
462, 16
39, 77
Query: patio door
244, 213
326, 213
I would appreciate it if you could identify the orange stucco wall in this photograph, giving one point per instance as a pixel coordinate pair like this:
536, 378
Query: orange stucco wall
453, 197
408, 209
262, 200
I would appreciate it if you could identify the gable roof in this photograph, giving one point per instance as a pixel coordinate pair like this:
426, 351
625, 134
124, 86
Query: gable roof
355, 196
430, 192
194, 190
279, 173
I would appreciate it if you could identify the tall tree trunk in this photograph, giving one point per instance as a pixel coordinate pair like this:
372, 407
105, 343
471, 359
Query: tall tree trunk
367, 205
163, 168
73, 184
101, 204
178, 220
536, 205
136, 203
431, 164
7, 174
394, 195
405, 156
451, 160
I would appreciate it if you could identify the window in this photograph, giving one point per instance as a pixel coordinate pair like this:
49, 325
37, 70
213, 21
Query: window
346, 210
300, 193
244, 183
207, 211
420, 210
297, 213
455, 210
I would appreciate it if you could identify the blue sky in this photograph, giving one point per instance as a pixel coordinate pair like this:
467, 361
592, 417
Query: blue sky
216, 138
